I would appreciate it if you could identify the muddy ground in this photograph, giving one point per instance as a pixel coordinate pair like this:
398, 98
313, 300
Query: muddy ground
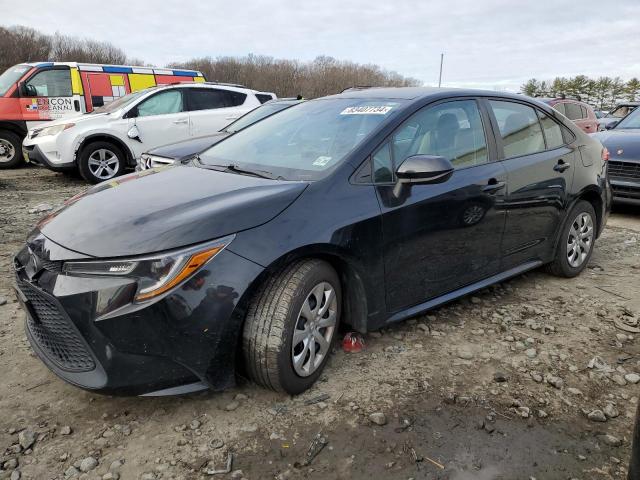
528, 379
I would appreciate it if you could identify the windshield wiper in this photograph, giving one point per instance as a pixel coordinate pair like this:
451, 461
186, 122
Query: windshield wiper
235, 169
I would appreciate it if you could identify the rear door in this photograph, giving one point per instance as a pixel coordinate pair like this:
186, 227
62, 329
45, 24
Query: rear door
211, 109
161, 119
48, 95
441, 237
539, 167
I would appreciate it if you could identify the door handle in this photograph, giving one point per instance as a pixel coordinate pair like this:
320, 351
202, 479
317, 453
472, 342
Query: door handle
182, 121
493, 186
561, 166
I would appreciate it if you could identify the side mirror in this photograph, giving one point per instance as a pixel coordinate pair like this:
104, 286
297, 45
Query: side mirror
611, 125
422, 169
27, 90
134, 133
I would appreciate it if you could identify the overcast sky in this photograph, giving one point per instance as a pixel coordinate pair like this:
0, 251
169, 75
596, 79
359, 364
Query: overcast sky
495, 44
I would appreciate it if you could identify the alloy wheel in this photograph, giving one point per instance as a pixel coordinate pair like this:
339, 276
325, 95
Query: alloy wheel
7, 151
580, 239
103, 164
314, 329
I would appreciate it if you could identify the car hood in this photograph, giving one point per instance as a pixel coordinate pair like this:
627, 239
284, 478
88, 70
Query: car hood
165, 208
622, 144
80, 118
188, 148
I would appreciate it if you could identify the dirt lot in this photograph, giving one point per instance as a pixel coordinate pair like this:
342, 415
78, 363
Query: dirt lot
531, 378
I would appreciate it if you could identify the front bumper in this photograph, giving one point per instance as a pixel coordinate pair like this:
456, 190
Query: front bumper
87, 331
33, 154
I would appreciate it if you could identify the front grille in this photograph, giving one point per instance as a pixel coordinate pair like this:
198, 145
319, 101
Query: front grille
626, 192
54, 333
51, 266
624, 169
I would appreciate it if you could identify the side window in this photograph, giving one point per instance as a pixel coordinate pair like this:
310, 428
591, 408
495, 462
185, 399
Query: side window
560, 108
50, 83
573, 111
519, 128
235, 99
162, 103
382, 165
552, 131
452, 130
206, 99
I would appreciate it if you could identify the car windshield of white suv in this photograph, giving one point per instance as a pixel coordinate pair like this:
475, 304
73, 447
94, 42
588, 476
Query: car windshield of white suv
11, 76
305, 142
120, 102
631, 121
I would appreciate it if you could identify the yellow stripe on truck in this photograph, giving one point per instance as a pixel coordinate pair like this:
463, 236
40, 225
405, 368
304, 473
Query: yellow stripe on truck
198, 79
76, 83
140, 81
116, 80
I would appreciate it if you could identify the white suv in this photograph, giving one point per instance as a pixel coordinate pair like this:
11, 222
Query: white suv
104, 143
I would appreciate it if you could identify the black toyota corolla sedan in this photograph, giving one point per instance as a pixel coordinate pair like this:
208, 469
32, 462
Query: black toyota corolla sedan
361, 209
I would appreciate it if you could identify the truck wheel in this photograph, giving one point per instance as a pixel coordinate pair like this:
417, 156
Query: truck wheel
576, 241
10, 149
290, 325
100, 161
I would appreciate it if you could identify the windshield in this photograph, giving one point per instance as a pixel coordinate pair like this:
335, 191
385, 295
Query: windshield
305, 142
630, 121
120, 102
256, 114
621, 111
11, 76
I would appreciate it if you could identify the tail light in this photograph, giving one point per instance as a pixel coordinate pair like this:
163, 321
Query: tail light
605, 154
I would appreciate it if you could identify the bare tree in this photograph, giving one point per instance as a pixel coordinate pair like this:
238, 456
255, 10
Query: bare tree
322, 76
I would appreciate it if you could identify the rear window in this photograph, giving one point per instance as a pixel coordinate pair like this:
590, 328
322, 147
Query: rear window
552, 131
263, 97
206, 99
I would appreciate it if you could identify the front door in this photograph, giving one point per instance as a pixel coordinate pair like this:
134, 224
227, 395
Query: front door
540, 168
161, 119
48, 95
441, 237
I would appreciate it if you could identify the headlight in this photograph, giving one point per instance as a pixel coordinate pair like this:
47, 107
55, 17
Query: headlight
53, 130
155, 274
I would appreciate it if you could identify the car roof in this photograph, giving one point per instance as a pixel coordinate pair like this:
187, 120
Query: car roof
417, 93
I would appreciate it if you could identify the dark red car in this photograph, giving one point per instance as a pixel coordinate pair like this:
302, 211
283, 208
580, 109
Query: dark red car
578, 112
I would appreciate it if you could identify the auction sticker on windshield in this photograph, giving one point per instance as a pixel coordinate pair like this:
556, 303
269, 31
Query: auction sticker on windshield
367, 110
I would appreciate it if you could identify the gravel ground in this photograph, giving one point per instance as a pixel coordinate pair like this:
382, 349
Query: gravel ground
533, 378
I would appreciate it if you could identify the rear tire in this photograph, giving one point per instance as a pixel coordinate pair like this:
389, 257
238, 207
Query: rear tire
292, 313
10, 149
576, 242
101, 161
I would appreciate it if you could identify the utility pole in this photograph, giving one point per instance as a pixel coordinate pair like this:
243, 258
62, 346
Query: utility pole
440, 79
